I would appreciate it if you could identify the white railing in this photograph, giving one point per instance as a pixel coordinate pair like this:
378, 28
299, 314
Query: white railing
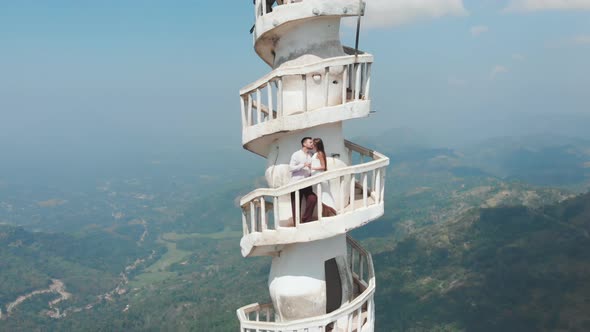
350, 317
261, 7
262, 205
262, 101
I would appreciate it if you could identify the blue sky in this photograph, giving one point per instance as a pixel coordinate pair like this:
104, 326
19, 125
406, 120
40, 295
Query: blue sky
126, 73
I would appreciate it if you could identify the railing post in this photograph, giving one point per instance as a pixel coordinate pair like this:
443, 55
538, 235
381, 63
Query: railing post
344, 84
349, 327
243, 108
280, 97
244, 223
258, 105
342, 191
373, 181
256, 11
249, 108
377, 188
304, 92
326, 85
269, 95
365, 189
319, 205
372, 311
351, 85
352, 196
357, 260
252, 217
361, 269
353, 266
368, 82
357, 82
297, 209
263, 224
359, 318
275, 203
351, 258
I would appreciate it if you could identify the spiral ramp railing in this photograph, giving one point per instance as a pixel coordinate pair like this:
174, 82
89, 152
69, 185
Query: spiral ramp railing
263, 118
266, 231
358, 312
358, 188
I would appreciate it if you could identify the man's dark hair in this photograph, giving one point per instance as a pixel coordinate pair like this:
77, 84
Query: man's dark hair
305, 139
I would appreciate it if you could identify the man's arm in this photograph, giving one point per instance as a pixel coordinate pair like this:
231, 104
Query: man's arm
295, 164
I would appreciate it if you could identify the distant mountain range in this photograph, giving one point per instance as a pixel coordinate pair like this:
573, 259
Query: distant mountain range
546, 160
540, 159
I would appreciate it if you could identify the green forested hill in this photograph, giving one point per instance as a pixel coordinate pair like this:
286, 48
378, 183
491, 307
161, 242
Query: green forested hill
495, 269
88, 265
506, 268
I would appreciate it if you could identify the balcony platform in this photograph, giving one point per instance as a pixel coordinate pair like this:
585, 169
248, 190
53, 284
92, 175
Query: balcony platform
270, 242
264, 115
267, 230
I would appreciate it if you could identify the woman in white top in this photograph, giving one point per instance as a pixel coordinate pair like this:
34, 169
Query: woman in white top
318, 165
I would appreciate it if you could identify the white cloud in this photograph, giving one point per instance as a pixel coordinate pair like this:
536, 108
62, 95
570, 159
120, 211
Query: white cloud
384, 13
518, 56
497, 70
575, 41
478, 30
535, 5
581, 40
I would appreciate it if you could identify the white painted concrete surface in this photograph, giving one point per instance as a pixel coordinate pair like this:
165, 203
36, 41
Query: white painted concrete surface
314, 86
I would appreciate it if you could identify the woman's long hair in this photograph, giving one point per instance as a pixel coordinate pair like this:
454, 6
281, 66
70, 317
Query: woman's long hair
319, 147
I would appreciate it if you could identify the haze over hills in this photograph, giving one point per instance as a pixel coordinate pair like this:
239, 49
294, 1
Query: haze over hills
163, 243
540, 159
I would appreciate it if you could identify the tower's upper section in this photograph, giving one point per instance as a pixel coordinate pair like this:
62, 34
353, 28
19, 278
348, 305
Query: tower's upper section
314, 81
292, 28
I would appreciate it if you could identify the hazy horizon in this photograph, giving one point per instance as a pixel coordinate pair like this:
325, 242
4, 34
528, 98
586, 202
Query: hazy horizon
126, 81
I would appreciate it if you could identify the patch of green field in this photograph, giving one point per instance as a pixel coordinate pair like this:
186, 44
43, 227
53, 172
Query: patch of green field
173, 255
150, 278
158, 271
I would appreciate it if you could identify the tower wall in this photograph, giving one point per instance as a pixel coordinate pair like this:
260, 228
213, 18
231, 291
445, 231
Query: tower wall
297, 279
318, 36
320, 279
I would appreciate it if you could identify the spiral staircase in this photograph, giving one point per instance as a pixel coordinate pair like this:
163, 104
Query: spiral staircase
320, 278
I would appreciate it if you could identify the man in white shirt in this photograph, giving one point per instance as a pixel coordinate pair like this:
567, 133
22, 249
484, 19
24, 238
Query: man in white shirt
300, 166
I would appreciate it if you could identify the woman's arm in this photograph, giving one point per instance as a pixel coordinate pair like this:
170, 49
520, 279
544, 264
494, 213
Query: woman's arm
322, 159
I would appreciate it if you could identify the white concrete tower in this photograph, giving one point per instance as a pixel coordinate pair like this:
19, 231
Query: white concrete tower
320, 279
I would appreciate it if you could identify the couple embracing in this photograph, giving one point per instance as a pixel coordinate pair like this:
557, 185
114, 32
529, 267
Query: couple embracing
305, 163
